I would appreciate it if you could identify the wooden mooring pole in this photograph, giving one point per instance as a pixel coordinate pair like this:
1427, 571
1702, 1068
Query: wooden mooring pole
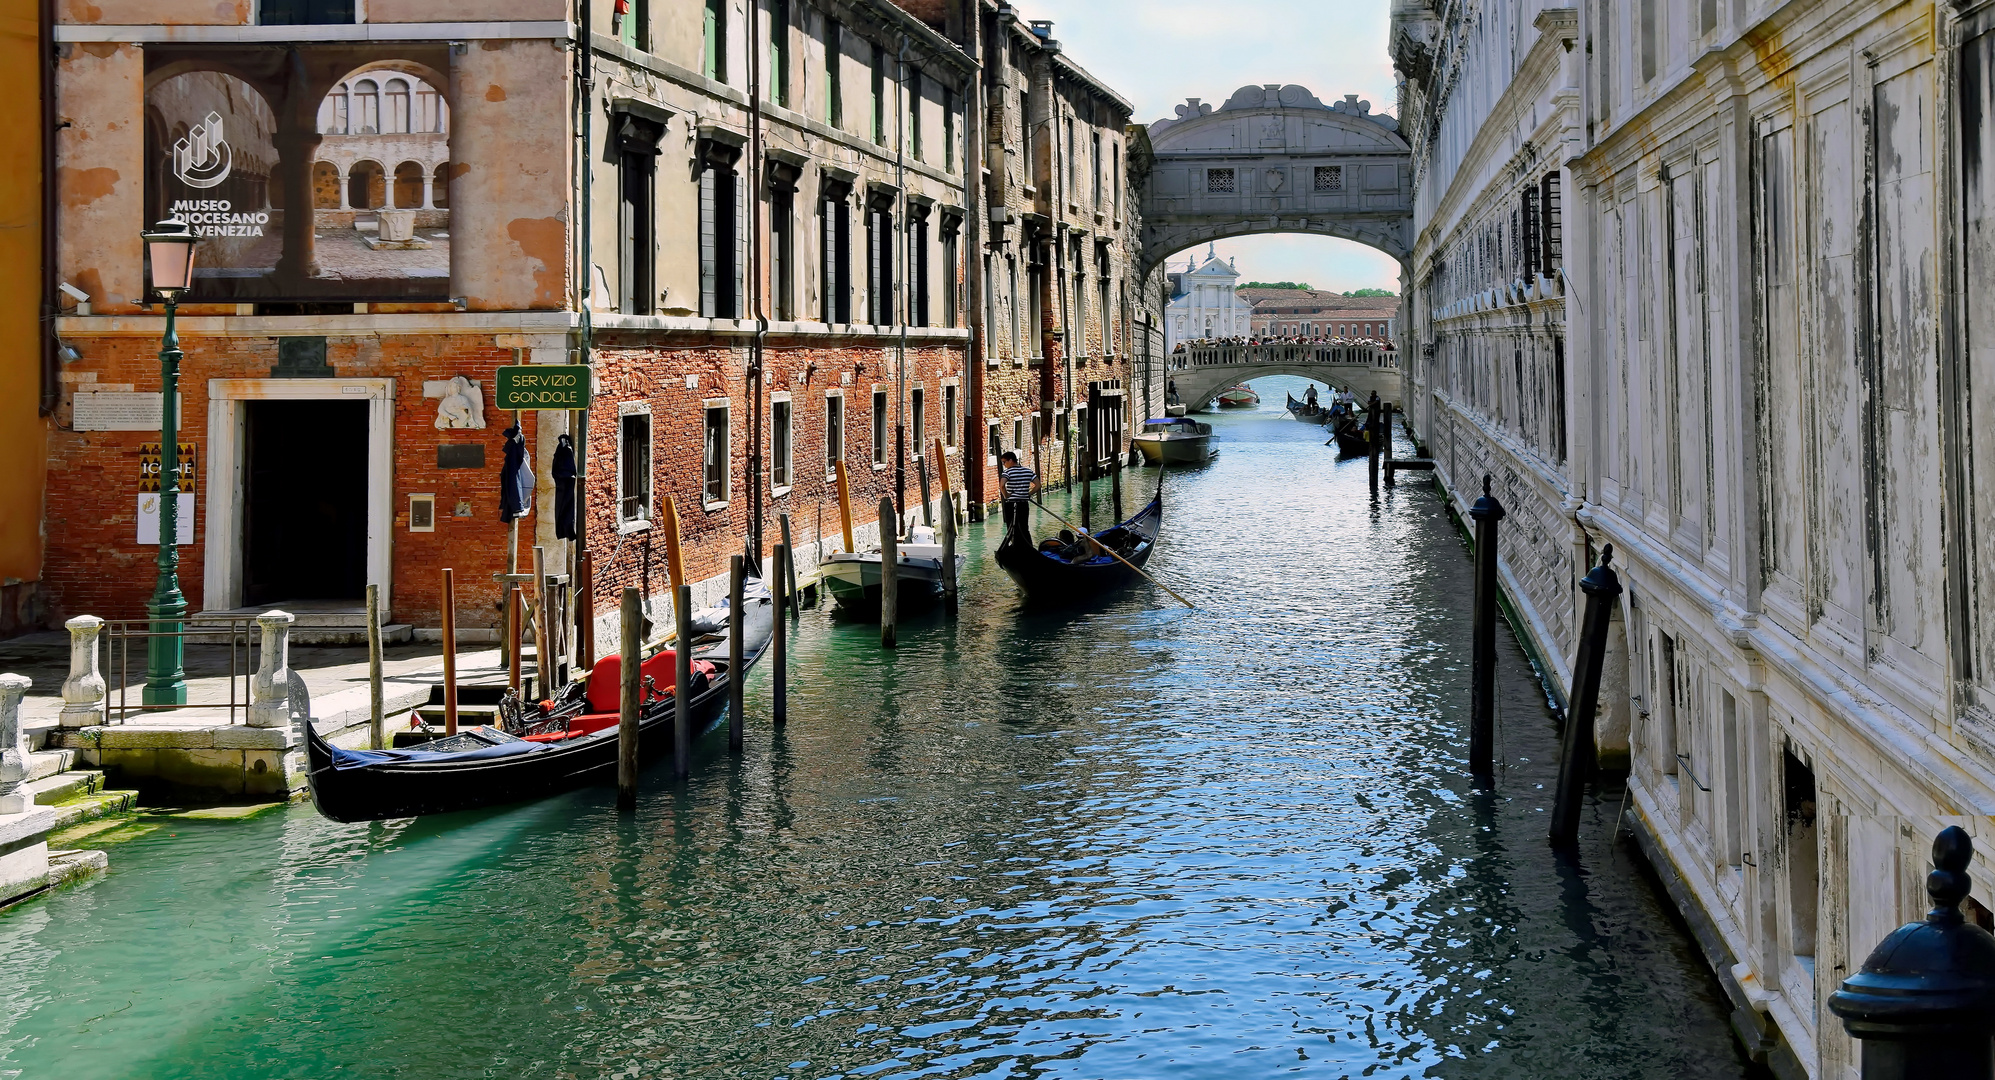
543, 656
1383, 443
630, 699
449, 653
1487, 513
788, 576
927, 507
376, 711
736, 574
890, 577
1602, 588
682, 677
780, 647
1372, 439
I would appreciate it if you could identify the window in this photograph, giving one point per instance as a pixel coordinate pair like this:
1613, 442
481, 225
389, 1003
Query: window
834, 81
879, 429
1018, 431
949, 280
879, 265
1804, 876
1072, 196
949, 419
1115, 180
1532, 247
633, 27
1219, 181
917, 269
721, 212
1035, 326
305, 12
913, 91
879, 94
779, 443
1094, 162
716, 456
398, 106
333, 114
1329, 178
366, 111
949, 129
634, 469
637, 249
834, 431
779, 52
1548, 214
782, 252
917, 427
996, 442
715, 57
834, 232
1648, 43
1011, 284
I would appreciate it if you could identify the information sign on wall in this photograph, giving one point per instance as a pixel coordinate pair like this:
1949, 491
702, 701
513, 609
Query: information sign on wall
183, 530
543, 386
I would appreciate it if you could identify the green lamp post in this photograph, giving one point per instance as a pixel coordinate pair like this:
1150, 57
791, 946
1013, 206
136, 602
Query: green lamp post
170, 251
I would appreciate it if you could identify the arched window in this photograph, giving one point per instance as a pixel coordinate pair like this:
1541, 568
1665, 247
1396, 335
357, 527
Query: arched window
439, 192
366, 108
397, 119
332, 112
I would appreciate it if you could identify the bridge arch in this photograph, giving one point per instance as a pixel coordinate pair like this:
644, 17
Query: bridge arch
1275, 159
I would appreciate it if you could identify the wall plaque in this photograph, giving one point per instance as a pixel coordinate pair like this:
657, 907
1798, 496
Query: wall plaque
119, 411
460, 456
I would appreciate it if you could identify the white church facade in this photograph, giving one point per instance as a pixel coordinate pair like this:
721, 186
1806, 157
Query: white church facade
1204, 303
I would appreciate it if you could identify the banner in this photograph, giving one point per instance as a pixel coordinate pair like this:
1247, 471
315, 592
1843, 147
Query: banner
349, 202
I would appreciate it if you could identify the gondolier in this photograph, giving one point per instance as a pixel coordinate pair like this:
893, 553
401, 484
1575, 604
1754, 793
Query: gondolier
1018, 481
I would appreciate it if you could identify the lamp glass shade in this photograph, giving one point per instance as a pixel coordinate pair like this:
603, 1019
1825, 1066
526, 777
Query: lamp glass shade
170, 246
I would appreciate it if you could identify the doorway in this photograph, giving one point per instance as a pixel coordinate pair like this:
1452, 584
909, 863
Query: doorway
304, 501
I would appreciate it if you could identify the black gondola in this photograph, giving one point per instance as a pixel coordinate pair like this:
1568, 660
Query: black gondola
1064, 572
1306, 412
484, 767
1349, 435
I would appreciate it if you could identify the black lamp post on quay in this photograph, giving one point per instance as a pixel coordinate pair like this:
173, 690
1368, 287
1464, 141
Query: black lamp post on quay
170, 253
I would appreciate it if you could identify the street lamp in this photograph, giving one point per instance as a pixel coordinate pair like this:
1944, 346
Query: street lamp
170, 251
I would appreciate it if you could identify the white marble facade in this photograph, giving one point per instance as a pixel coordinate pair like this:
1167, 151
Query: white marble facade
1204, 303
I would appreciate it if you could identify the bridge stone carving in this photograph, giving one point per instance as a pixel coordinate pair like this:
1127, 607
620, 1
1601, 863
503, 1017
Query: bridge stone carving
1199, 374
1276, 159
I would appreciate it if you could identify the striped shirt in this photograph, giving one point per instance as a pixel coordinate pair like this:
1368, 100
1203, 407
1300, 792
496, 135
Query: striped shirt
1018, 482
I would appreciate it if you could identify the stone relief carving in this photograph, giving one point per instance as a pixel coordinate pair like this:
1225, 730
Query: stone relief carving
462, 404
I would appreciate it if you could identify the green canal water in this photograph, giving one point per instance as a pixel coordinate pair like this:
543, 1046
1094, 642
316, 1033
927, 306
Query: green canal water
1126, 841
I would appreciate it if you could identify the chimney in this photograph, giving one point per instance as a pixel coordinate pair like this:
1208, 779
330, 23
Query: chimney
1043, 29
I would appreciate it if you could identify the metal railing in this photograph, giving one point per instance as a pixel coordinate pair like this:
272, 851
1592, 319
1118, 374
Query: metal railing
238, 633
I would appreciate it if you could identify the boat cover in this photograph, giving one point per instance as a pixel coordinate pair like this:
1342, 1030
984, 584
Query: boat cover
352, 759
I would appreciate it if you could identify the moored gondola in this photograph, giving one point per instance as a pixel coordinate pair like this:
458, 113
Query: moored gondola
485, 766
1065, 570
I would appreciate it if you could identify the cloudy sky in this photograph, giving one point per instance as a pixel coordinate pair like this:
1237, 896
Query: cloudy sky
1157, 53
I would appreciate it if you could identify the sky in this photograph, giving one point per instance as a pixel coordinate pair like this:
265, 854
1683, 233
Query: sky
1157, 53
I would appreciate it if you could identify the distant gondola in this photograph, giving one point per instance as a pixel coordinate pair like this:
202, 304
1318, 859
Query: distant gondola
1065, 573
486, 767
1306, 412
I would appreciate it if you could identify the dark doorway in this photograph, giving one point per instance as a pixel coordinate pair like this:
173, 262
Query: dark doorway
305, 501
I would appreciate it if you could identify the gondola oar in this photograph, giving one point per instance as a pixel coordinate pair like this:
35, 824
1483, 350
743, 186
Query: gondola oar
1103, 548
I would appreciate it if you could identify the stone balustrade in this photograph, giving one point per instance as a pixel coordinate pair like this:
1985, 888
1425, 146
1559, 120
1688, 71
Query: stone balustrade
1371, 357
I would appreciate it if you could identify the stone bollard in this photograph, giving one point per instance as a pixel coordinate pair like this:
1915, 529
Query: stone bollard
270, 691
1924, 1002
83, 692
13, 748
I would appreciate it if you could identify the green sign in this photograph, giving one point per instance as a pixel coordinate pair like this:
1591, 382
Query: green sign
544, 386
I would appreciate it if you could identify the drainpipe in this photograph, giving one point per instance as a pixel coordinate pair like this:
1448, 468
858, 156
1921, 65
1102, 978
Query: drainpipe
907, 281
975, 154
584, 650
51, 365
757, 286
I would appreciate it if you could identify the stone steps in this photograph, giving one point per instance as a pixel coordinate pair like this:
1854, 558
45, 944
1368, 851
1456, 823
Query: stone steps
320, 626
78, 795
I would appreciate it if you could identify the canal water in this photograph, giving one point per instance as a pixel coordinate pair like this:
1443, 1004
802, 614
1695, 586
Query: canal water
1126, 841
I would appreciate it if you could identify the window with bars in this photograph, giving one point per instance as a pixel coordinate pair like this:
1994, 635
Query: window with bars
1219, 181
1329, 178
949, 417
779, 443
1531, 246
1548, 212
879, 428
834, 430
917, 419
634, 468
716, 455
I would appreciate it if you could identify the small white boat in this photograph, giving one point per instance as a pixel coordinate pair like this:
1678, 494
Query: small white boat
853, 578
1238, 396
1174, 440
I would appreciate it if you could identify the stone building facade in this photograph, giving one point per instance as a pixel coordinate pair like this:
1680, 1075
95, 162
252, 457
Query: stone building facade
1205, 303
1693, 280
1327, 315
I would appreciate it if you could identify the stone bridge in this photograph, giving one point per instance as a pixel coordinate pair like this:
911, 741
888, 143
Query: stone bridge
1201, 373
1275, 159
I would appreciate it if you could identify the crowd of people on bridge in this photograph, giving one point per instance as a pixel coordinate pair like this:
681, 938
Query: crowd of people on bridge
1238, 342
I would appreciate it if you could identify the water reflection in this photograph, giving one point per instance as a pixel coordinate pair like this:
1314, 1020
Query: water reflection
1128, 841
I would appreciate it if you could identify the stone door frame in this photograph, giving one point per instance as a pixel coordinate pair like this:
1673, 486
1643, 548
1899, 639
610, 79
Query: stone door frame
227, 423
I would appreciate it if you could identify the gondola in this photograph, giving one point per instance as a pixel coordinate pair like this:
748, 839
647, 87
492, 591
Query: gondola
1348, 432
1068, 572
485, 766
1304, 411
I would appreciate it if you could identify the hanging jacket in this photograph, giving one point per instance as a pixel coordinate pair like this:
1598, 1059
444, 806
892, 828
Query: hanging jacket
563, 467
515, 479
